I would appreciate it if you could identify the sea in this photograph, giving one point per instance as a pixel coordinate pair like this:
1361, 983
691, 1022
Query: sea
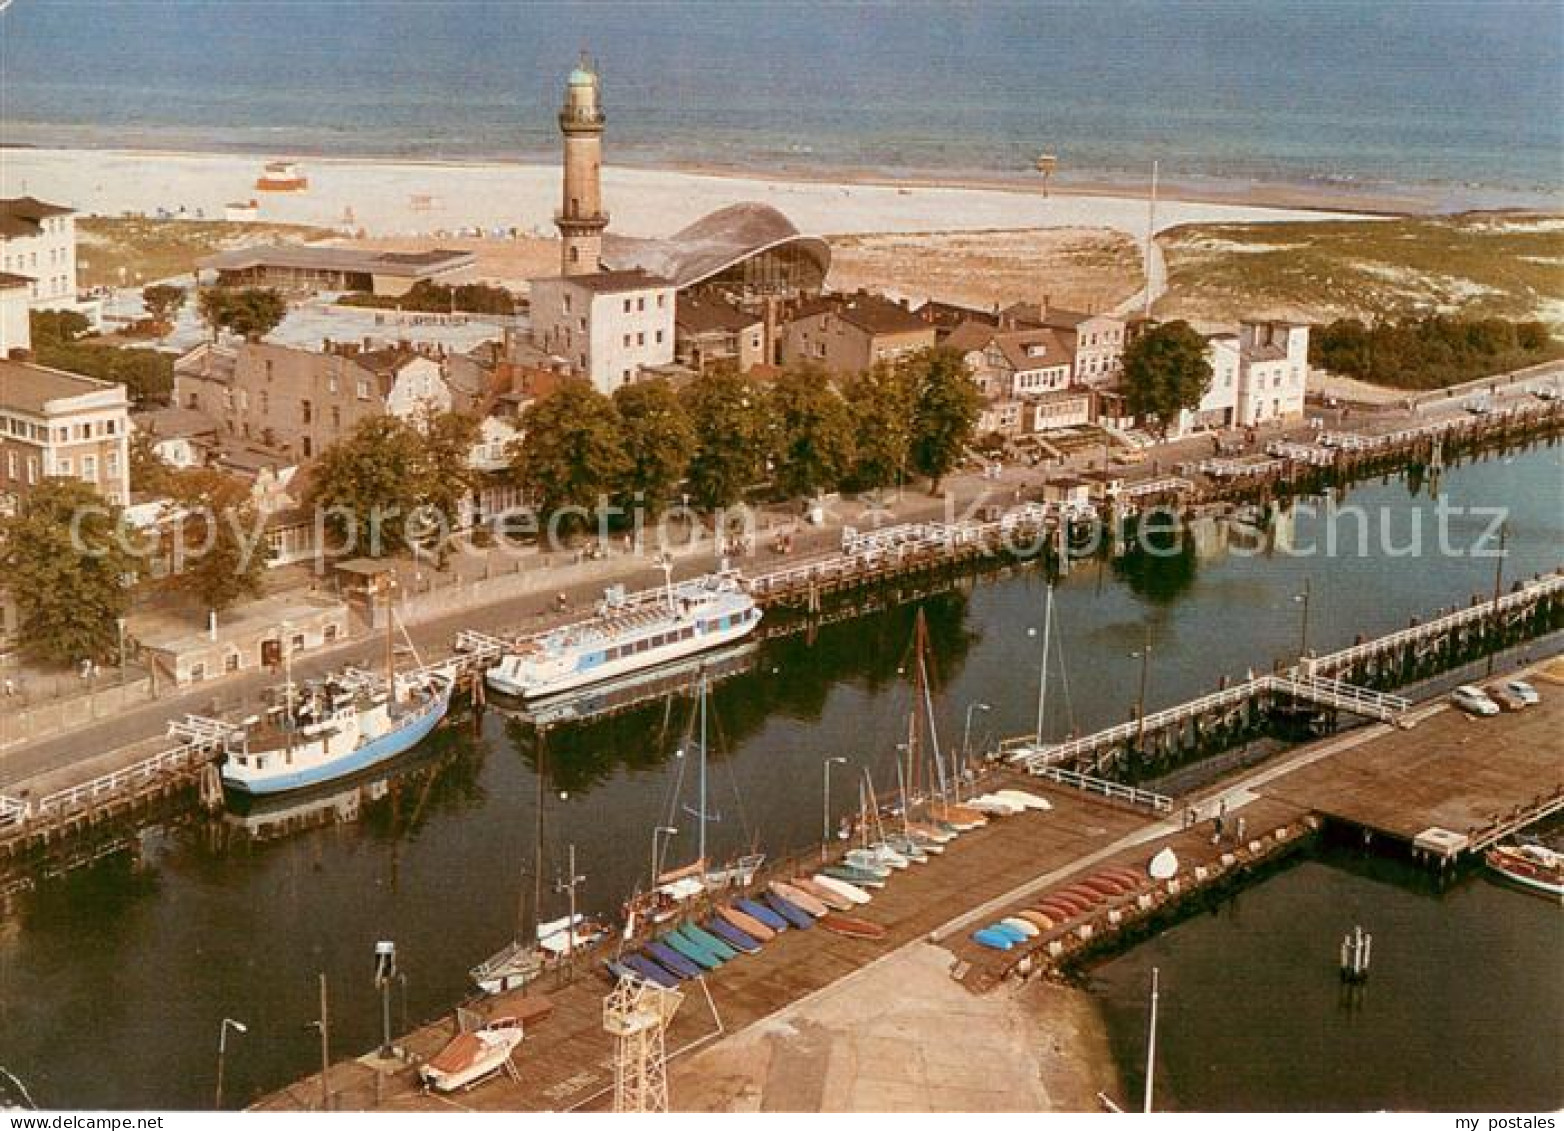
1459, 100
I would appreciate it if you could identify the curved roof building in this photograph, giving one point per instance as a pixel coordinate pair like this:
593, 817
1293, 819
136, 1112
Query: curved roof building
749, 248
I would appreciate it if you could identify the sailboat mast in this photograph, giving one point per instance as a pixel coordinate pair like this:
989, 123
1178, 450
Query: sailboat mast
535, 931
1042, 682
914, 727
1151, 1043
701, 847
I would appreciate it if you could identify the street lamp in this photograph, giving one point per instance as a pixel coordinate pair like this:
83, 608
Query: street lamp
1144, 656
966, 733
825, 815
120, 624
222, 1054
385, 974
1303, 631
660, 830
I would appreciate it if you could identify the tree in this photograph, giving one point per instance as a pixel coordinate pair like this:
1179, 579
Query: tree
945, 408
881, 402
150, 473
814, 433
370, 483
1165, 373
658, 442
732, 436
162, 301
448, 476
571, 452
225, 549
57, 326
251, 313
67, 572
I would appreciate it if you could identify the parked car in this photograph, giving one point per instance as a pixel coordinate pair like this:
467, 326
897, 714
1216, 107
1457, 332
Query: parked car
1523, 691
1507, 699
1479, 406
1546, 392
1473, 701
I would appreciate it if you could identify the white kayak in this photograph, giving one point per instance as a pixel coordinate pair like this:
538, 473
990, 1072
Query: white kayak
1025, 800
842, 888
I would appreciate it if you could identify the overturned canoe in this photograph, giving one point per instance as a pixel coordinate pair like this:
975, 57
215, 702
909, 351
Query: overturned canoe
833, 900
851, 892
798, 898
994, 940
1037, 919
747, 923
767, 915
741, 941
794, 914
852, 927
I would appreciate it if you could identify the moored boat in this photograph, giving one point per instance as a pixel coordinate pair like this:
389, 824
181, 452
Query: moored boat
1533, 866
469, 1057
629, 633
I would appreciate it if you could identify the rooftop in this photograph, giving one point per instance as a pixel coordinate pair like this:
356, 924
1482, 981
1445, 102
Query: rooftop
409, 264
24, 215
1035, 349
612, 282
970, 336
714, 243
31, 388
871, 313
699, 315
174, 422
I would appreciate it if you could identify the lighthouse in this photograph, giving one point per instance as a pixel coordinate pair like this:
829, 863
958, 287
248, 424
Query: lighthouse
581, 218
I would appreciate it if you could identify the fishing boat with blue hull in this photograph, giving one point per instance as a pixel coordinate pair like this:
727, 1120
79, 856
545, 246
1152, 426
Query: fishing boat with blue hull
334, 728
631, 632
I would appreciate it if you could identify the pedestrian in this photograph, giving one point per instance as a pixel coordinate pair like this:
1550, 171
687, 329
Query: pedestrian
10, 688
1240, 830
1216, 830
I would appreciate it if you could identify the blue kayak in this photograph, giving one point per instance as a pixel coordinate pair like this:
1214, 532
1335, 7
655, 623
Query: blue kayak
709, 941
731, 935
760, 911
651, 971
789, 910
994, 940
1014, 934
672, 959
692, 950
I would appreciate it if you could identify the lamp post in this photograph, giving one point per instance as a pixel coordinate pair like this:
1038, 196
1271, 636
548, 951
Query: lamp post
660, 830
825, 812
966, 731
1303, 631
119, 623
1144, 656
385, 974
222, 1054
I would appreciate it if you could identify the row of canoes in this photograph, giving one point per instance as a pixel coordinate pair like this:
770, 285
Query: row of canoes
1061, 907
744, 926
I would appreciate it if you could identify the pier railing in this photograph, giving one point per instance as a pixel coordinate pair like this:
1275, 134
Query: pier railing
1116, 791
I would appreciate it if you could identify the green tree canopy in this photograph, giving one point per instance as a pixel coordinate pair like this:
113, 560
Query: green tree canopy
449, 477
881, 402
225, 551
150, 473
67, 572
814, 433
372, 481
252, 312
1165, 373
162, 301
571, 452
945, 408
732, 435
658, 442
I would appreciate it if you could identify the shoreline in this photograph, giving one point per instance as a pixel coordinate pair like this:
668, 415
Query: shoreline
1388, 198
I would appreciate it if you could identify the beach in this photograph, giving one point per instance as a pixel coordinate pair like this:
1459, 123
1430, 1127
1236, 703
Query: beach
421, 198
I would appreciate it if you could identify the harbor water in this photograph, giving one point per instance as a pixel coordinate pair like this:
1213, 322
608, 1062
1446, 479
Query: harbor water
115, 978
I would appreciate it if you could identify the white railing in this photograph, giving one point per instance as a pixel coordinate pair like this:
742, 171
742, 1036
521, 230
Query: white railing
170, 761
13, 811
1116, 791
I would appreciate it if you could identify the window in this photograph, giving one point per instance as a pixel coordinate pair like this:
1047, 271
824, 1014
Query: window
336, 417
32, 469
640, 339
331, 382
298, 642
575, 255
10, 465
627, 341
89, 468
266, 403
640, 304
231, 664
660, 338
662, 301
307, 411
197, 674
309, 448
567, 304
331, 633
268, 369
62, 465
627, 306
363, 388
111, 463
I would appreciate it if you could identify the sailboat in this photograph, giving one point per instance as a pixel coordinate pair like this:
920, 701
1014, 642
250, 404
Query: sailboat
940, 810
672, 890
533, 951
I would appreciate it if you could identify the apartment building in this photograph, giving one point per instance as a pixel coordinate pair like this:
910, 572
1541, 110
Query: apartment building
607, 326
38, 242
850, 333
54, 423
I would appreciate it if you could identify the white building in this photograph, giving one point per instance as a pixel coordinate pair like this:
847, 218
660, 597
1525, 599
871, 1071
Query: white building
1257, 375
38, 241
606, 326
15, 305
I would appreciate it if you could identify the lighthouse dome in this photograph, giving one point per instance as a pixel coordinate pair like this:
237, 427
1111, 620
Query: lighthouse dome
582, 77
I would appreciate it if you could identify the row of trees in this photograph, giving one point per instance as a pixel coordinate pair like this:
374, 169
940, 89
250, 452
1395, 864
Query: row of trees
726, 433
1429, 353
428, 297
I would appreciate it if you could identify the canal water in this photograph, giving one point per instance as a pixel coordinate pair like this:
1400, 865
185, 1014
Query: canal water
114, 980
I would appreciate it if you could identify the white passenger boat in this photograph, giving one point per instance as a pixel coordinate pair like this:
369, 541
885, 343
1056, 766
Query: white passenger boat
628, 634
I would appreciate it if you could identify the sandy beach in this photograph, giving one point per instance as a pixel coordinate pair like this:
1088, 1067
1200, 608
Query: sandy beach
406, 198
